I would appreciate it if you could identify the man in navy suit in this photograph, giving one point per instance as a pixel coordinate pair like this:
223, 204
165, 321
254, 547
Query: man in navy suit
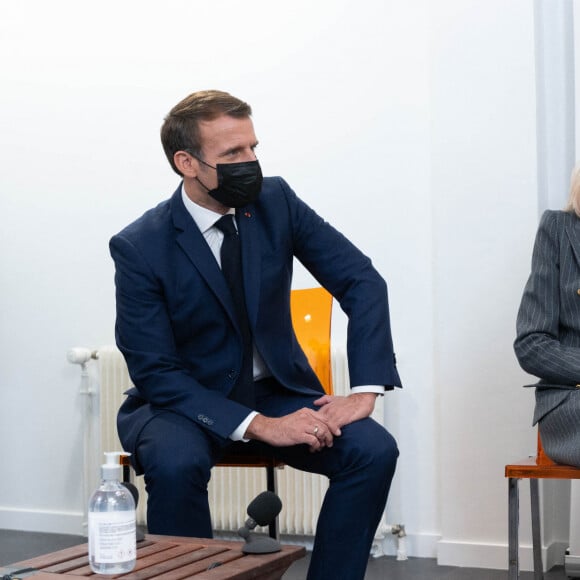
187, 343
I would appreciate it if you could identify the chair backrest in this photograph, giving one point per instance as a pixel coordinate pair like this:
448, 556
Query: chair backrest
311, 317
541, 457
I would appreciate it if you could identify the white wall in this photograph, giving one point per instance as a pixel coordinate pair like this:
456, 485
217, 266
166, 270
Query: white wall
410, 126
485, 215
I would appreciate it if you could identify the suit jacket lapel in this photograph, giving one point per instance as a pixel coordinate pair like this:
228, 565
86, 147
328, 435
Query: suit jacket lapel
573, 232
192, 242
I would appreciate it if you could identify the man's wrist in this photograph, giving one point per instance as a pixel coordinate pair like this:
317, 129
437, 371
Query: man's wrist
239, 433
258, 427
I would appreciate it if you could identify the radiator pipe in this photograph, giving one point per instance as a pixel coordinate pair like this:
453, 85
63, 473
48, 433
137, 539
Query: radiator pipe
396, 530
399, 531
81, 356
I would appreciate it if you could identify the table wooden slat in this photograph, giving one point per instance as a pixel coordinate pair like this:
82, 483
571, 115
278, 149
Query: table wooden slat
196, 568
80, 566
263, 566
144, 562
54, 558
164, 563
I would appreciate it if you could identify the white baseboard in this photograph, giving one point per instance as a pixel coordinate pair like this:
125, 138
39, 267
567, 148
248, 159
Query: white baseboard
53, 522
554, 554
495, 556
448, 553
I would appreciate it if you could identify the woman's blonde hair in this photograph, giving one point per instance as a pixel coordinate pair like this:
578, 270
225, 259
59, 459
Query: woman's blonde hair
573, 204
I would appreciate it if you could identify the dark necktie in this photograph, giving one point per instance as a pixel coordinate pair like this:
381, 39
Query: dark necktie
231, 260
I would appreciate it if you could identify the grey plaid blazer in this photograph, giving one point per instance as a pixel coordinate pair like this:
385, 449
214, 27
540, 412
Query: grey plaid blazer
548, 322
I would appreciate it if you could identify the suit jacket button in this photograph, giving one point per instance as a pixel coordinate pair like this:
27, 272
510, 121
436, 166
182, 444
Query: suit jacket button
232, 373
578, 291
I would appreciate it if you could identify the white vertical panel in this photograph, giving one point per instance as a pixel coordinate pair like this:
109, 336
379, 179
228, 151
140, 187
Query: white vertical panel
554, 41
573, 560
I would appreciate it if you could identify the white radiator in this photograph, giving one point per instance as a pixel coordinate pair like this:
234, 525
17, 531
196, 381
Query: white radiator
231, 488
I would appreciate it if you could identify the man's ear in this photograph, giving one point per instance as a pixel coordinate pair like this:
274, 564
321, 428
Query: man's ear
186, 163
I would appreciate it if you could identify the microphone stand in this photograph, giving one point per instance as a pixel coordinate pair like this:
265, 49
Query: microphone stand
257, 544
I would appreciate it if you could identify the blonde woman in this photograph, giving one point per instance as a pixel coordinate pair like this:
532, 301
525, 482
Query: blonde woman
548, 329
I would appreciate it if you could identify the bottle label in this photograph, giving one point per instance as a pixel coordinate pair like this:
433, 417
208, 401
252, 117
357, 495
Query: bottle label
112, 537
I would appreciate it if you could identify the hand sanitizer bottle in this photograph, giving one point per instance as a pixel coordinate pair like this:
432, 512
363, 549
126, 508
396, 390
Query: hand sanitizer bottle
112, 537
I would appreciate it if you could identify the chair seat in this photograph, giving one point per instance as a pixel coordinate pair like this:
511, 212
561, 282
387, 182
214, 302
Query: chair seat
531, 468
237, 460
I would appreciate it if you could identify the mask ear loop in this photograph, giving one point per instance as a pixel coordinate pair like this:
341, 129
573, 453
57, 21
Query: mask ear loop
199, 159
207, 165
201, 183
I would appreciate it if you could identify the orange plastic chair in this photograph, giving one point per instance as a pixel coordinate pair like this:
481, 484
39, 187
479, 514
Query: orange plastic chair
311, 317
534, 469
311, 310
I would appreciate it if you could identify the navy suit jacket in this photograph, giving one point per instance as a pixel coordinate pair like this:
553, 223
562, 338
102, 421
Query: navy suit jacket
548, 324
175, 318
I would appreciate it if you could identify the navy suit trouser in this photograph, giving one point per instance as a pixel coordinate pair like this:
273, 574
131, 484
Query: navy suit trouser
177, 455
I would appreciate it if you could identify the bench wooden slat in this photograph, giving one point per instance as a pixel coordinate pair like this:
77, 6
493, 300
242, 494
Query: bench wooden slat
196, 568
256, 566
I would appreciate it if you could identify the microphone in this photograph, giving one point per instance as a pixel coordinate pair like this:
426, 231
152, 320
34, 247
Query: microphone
132, 489
262, 511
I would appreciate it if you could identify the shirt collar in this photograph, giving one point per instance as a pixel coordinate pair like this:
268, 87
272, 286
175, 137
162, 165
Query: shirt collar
203, 217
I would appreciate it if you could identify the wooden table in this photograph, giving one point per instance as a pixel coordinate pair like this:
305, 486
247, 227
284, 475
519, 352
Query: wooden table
169, 558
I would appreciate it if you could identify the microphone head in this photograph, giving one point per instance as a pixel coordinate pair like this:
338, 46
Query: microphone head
132, 489
264, 508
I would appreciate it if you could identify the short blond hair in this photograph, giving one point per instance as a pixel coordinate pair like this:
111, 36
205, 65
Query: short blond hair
573, 204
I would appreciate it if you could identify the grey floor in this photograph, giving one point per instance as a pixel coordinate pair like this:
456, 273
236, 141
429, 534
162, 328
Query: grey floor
17, 546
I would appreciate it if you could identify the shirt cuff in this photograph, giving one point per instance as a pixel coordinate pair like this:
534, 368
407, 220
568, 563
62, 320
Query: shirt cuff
238, 433
378, 389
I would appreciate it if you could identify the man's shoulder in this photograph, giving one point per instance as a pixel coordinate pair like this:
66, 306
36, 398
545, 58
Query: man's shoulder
153, 220
273, 185
275, 190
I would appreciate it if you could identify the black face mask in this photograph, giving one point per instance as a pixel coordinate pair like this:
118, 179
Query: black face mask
238, 183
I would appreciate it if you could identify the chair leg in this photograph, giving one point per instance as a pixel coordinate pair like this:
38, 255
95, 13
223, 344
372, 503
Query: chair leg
271, 485
536, 530
513, 525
